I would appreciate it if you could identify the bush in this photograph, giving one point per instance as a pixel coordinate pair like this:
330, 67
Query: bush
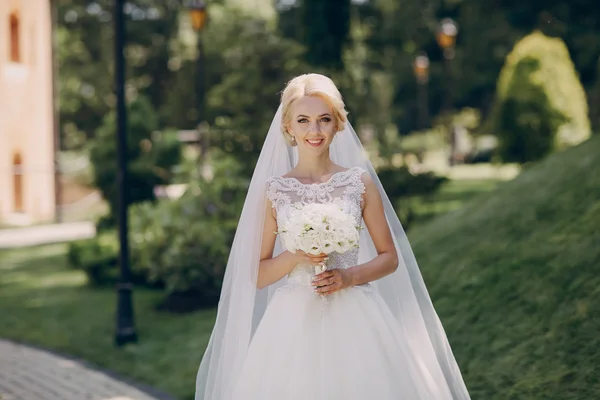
149, 160
400, 185
97, 257
527, 121
185, 243
539, 81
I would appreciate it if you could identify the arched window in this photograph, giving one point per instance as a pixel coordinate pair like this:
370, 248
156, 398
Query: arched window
15, 40
17, 182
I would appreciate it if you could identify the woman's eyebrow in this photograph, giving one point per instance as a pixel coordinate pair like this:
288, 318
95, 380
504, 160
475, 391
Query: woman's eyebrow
322, 115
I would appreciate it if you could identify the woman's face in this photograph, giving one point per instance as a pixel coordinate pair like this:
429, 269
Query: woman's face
312, 124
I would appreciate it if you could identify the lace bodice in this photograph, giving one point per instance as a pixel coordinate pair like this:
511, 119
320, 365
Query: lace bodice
344, 188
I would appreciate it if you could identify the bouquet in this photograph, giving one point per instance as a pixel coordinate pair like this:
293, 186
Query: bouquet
320, 228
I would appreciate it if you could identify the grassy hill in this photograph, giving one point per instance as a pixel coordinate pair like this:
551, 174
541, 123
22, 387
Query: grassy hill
515, 277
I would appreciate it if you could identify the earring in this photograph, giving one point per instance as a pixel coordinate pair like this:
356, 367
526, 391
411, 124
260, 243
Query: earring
293, 139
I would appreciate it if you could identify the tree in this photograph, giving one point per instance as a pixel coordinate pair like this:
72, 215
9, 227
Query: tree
526, 121
325, 27
398, 30
85, 51
256, 65
539, 64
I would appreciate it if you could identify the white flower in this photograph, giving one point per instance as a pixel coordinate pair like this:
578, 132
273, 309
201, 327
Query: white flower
319, 228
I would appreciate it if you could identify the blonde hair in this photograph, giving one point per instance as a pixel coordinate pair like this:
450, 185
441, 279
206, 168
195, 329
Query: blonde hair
311, 85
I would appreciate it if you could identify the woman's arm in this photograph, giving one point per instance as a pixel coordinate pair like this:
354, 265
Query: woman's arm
386, 261
271, 269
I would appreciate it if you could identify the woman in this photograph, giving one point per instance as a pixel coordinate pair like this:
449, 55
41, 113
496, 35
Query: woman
363, 328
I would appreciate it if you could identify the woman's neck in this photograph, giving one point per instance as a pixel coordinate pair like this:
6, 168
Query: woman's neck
315, 168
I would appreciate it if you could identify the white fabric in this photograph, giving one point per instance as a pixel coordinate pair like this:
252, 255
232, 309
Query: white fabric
389, 325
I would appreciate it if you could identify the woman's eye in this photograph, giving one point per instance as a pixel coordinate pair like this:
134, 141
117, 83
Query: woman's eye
326, 119
302, 120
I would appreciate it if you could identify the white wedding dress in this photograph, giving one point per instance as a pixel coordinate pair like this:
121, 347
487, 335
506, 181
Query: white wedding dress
346, 346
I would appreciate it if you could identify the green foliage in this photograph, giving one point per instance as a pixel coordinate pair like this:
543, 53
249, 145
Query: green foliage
397, 31
325, 26
594, 98
149, 160
85, 57
401, 185
97, 257
383, 38
514, 276
184, 243
537, 85
400, 182
257, 66
526, 122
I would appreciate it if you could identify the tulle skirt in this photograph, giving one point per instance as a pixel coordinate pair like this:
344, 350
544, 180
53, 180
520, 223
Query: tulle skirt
341, 347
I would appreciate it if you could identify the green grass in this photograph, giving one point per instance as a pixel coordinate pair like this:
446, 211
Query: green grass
44, 303
515, 277
452, 195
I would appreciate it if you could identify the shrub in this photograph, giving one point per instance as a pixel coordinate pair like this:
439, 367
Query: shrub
97, 257
527, 121
539, 81
400, 182
185, 243
400, 185
149, 160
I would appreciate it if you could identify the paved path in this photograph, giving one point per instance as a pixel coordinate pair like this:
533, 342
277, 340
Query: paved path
31, 374
34, 235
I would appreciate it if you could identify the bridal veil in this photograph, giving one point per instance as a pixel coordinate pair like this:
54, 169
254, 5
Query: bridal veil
242, 305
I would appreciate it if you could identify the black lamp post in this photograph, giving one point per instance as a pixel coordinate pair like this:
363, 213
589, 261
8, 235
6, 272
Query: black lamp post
421, 70
199, 16
446, 38
125, 331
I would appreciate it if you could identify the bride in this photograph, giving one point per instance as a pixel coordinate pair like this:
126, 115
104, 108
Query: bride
365, 327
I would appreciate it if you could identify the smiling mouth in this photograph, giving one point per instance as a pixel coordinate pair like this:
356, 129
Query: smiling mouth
314, 142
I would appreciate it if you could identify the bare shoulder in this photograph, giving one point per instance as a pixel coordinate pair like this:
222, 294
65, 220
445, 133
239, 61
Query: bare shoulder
368, 183
366, 179
371, 193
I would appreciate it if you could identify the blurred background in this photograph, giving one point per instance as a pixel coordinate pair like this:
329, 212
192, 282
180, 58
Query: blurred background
480, 118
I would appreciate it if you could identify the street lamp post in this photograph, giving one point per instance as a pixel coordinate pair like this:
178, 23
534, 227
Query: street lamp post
198, 14
421, 70
446, 38
125, 331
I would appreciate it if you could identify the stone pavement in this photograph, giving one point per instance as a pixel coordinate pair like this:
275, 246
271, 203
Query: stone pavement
30, 374
34, 235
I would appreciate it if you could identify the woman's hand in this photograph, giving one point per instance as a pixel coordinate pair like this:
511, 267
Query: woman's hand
331, 281
301, 257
